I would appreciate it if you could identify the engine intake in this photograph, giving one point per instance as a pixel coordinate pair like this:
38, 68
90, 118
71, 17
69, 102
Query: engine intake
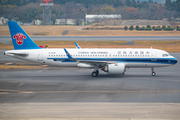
114, 68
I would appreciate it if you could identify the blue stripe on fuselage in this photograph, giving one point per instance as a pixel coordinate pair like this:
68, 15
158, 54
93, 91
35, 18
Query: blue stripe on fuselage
122, 60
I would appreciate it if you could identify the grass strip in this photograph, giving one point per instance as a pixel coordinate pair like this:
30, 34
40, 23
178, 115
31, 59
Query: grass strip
19, 67
169, 46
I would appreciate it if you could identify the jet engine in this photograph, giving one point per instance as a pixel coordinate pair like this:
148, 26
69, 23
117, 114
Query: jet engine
118, 68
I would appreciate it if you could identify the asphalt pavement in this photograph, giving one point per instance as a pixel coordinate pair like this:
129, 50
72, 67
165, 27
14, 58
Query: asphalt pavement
71, 93
7, 39
137, 85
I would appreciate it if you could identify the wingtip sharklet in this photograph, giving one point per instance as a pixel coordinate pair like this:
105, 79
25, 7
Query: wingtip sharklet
68, 55
77, 46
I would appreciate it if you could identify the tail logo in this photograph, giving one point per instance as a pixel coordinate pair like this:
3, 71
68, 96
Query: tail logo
19, 38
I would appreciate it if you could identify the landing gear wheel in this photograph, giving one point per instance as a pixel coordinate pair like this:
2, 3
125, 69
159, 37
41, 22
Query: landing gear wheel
94, 74
97, 71
153, 74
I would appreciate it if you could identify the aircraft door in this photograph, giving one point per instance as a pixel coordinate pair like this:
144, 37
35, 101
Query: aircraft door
40, 55
153, 55
110, 56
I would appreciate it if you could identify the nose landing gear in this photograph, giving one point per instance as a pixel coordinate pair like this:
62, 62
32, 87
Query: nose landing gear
153, 73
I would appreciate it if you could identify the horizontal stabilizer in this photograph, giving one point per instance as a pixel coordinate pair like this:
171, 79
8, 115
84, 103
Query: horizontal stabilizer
21, 54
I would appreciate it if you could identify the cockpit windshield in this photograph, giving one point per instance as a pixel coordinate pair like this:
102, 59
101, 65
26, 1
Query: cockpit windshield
166, 55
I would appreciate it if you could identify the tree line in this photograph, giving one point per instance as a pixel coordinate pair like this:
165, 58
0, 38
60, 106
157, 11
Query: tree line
28, 10
86, 3
17, 2
173, 5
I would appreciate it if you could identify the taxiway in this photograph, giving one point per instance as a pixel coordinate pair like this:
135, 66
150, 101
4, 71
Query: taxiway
71, 93
7, 39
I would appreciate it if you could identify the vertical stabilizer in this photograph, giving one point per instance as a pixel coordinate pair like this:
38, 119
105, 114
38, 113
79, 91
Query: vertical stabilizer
20, 39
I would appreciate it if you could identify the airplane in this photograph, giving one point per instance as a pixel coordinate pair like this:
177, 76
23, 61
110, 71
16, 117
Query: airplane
112, 61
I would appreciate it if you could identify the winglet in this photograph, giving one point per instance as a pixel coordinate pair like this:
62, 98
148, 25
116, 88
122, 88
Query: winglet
68, 55
77, 46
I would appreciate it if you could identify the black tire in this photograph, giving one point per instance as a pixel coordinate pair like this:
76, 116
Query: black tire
97, 71
94, 74
153, 74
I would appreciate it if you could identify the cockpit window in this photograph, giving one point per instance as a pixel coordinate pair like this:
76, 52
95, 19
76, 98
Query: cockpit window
165, 55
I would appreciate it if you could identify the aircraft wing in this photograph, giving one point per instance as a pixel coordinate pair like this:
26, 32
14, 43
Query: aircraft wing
95, 62
99, 64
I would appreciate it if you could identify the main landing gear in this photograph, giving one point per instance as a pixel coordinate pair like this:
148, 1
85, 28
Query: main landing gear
95, 73
153, 73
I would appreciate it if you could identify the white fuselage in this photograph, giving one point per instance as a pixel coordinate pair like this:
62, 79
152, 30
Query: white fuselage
130, 57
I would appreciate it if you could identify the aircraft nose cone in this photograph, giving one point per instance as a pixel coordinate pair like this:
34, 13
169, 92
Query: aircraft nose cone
175, 61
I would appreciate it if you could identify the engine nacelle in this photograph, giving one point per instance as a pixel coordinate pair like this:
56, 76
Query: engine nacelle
115, 68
